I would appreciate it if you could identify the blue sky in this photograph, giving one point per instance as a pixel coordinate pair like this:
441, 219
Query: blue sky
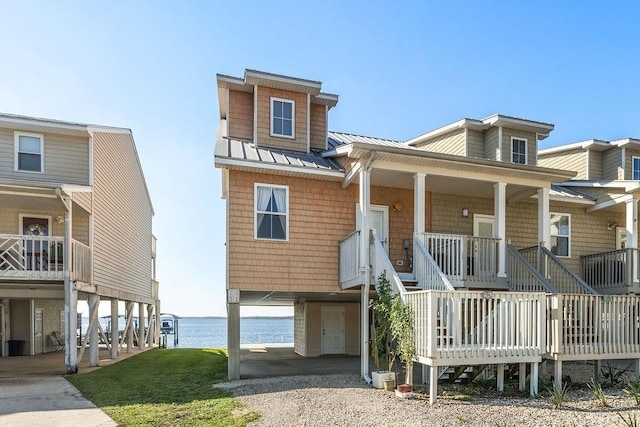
400, 68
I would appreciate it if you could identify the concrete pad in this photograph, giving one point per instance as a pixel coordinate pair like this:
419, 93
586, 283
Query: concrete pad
49, 401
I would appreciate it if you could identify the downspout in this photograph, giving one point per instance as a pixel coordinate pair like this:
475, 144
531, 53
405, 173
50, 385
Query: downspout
365, 201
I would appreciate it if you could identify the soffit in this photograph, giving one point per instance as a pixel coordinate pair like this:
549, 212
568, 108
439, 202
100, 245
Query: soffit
28, 124
269, 298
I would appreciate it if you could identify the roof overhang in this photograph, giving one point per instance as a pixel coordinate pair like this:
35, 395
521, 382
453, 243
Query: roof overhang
32, 124
590, 144
626, 141
627, 186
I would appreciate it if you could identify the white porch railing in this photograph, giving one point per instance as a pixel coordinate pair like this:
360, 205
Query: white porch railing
467, 327
41, 258
612, 272
349, 259
523, 277
428, 273
380, 263
464, 258
593, 326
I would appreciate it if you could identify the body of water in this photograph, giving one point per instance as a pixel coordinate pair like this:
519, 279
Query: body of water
211, 332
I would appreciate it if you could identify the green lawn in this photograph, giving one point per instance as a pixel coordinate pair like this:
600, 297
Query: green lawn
165, 387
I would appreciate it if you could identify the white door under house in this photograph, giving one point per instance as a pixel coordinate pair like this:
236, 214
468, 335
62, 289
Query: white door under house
38, 335
332, 330
378, 221
483, 227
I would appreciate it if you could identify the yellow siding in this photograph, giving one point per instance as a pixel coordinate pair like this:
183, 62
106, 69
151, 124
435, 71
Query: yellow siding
532, 144
573, 160
122, 217
491, 148
66, 159
612, 164
318, 127
240, 115
449, 143
299, 143
475, 143
595, 165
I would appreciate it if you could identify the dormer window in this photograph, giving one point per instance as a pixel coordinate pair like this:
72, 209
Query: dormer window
282, 118
28, 152
519, 150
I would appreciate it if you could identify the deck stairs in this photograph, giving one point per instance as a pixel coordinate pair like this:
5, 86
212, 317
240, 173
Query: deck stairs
409, 281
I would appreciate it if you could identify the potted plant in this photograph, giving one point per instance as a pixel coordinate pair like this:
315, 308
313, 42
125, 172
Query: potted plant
382, 349
402, 330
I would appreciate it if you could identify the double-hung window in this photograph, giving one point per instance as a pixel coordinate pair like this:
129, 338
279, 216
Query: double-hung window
635, 168
272, 212
561, 234
519, 150
28, 152
283, 118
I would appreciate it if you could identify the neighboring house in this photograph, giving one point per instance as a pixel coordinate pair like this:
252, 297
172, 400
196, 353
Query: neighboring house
75, 223
468, 224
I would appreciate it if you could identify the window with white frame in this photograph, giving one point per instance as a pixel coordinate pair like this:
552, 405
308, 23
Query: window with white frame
635, 168
28, 152
561, 234
283, 118
519, 150
272, 207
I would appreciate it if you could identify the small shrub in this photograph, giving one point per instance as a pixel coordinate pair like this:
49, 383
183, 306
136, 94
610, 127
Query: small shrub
613, 375
633, 390
558, 396
598, 393
629, 421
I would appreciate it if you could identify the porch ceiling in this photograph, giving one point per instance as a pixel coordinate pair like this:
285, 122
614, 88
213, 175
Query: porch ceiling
268, 298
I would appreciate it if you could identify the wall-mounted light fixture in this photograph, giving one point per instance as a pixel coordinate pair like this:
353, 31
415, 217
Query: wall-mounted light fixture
612, 224
397, 206
465, 213
60, 219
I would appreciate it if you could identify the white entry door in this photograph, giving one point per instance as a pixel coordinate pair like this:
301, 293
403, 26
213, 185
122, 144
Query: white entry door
484, 256
38, 336
378, 221
332, 330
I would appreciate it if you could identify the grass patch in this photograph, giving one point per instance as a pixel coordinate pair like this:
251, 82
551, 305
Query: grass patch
165, 387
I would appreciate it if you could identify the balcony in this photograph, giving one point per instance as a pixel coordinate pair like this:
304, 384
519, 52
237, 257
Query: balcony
42, 258
613, 272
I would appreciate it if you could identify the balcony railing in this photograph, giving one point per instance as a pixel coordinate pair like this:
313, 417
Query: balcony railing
612, 272
42, 258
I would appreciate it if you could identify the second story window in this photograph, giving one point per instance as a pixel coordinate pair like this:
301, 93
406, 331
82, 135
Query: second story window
519, 150
561, 234
28, 152
271, 210
635, 168
283, 118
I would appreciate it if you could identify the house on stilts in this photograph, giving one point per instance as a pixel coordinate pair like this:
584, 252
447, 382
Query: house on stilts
75, 224
509, 255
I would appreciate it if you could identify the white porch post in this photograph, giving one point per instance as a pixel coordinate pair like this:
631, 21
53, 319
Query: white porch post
419, 189
500, 230
129, 332
94, 304
151, 328
233, 334
115, 329
141, 340
544, 225
365, 267
70, 298
631, 224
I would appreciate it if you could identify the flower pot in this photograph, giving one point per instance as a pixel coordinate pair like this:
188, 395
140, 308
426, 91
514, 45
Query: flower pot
389, 383
378, 377
404, 391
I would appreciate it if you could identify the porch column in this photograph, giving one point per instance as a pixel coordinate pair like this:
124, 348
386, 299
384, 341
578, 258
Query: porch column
70, 297
419, 189
500, 229
544, 218
365, 268
631, 225
115, 329
233, 334
141, 339
129, 331
94, 303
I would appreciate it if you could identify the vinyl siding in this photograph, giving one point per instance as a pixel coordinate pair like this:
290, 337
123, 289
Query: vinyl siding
84, 200
10, 220
240, 115
532, 144
573, 160
122, 217
475, 143
449, 143
314, 327
299, 143
51, 319
66, 159
628, 166
595, 165
491, 148
611, 164
318, 127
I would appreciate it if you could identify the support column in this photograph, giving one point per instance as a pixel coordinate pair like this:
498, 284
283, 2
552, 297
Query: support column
500, 377
94, 304
433, 384
151, 328
141, 337
557, 375
544, 226
70, 299
533, 381
365, 268
129, 331
115, 329
631, 224
233, 334
522, 376
419, 189
157, 324
500, 229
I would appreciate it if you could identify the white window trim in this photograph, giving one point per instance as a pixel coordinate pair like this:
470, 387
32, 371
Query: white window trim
293, 118
255, 211
526, 149
562, 235
633, 159
16, 139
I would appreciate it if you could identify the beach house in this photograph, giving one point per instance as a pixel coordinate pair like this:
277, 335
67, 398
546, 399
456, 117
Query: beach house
75, 224
504, 254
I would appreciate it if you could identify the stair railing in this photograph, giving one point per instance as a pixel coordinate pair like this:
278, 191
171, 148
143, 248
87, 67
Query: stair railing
428, 273
380, 262
522, 276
